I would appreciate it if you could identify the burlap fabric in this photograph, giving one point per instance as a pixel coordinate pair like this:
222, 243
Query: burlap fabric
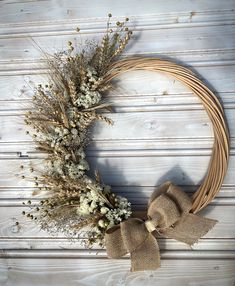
169, 215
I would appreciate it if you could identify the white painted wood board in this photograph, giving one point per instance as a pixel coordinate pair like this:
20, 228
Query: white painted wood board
161, 132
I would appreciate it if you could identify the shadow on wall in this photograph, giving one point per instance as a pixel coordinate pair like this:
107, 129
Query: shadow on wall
136, 193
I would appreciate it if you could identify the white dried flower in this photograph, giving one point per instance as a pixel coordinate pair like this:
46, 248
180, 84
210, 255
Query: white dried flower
94, 195
93, 205
83, 210
74, 131
104, 210
101, 223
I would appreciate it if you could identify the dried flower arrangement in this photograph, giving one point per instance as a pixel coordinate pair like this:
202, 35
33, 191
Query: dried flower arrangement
61, 114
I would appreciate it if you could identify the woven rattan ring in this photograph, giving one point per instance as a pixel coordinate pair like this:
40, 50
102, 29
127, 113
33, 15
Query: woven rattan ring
220, 154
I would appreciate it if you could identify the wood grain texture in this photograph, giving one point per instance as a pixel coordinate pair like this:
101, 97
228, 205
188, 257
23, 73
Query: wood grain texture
161, 132
17, 246
89, 272
19, 12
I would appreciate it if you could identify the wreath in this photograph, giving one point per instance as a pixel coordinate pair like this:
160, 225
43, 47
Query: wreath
61, 114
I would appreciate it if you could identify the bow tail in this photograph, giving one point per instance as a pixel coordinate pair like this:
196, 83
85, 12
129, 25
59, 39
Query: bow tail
146, 256
190, 228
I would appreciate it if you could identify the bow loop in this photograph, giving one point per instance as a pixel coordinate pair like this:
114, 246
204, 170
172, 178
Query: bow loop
168, 211
181, 199
132, 236
134, 233
114, 242
168, 206
164, 211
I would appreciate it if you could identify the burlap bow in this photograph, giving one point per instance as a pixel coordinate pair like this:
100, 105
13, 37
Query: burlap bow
168, 214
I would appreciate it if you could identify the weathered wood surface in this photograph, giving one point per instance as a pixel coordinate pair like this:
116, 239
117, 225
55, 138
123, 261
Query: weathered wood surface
161, 132
89, 272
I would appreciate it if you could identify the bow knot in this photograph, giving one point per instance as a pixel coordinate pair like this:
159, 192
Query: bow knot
150, 225
168, 214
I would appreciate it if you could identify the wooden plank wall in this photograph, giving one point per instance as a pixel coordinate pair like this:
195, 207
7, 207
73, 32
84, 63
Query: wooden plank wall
161, 132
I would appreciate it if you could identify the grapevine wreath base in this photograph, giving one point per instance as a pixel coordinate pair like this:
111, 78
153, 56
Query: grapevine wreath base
61, 114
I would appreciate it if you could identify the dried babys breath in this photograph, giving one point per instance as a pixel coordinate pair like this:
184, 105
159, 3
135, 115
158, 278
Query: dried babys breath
61, 114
